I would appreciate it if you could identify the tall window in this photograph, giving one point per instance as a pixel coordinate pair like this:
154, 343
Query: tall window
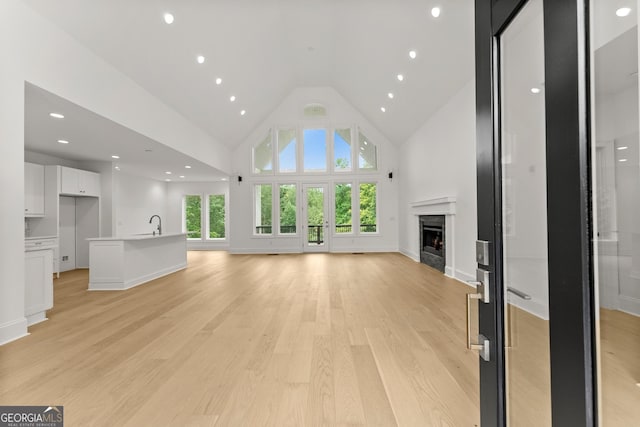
342, 150
217, 216
263, 155
288, 208
315, 150
368, 208
264, 208
287, 151
367, 154
193, 216
343, 208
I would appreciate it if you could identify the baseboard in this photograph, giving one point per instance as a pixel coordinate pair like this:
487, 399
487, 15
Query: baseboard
410, 254
122, 286
36, 318
253, 251
464, 277
13, 330
207, 246
629, 305
531, 306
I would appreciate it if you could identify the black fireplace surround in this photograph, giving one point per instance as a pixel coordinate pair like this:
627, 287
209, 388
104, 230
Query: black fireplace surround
432, 238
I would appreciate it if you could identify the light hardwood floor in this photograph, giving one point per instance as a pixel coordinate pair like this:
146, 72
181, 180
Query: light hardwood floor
318, 339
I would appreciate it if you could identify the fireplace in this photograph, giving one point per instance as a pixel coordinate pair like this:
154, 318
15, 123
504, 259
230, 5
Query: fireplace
432, 238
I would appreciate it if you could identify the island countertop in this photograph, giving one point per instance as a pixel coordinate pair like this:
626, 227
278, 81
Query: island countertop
144, 236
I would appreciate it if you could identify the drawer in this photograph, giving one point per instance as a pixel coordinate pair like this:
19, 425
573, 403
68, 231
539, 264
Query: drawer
41, 244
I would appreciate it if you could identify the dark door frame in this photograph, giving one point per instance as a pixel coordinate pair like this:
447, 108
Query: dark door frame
571, 281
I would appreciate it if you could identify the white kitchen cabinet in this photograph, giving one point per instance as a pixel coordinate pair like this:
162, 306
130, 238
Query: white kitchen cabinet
47, 242
38, 289
76, 182
33, 190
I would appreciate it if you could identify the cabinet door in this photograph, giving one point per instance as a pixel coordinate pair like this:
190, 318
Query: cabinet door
69, 181
89, 183
38, 281
33, 189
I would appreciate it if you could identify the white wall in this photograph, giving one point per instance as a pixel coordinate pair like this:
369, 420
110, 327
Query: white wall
289, 114
36, 51
176, 192
439, 160
135, 200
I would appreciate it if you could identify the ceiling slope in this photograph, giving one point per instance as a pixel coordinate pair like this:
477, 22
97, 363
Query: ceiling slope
264, 49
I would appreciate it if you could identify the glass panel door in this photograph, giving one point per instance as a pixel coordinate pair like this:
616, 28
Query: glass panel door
615, 165
524, 219
316, 216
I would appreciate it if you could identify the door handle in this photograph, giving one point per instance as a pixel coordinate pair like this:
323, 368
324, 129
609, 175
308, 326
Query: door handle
482, 294
482, 345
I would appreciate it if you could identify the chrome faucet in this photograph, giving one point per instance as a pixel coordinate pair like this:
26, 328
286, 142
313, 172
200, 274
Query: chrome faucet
159, 224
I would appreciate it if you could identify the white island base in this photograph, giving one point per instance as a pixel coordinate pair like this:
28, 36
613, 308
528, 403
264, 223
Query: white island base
119, 263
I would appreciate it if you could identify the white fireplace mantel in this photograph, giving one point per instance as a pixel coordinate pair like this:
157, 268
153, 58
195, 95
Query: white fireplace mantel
439, 206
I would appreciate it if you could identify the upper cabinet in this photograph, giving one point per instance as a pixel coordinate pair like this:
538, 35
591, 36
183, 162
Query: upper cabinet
77, 182
33, 190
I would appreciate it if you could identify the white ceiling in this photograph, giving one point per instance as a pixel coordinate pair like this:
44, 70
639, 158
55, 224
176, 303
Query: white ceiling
263, 49
95, 138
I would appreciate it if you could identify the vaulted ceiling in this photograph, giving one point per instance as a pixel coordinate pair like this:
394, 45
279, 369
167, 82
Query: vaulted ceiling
263, 49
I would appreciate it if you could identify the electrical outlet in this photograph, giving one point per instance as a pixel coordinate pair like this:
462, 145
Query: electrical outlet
65, 257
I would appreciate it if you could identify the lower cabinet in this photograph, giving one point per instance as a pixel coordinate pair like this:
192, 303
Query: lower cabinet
38, 289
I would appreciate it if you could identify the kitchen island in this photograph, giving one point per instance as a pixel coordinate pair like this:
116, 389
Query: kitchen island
119, 263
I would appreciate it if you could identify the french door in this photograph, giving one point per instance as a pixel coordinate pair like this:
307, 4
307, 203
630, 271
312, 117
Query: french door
316, 217
535, 275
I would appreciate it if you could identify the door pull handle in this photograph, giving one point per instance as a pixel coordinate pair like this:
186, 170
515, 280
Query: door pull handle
482, 346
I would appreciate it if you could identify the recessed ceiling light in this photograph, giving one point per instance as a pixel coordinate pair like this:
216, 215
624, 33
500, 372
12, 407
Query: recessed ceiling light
400, 77
232, 98
362, 148
168, 18
64, 141
200, 59
117, 168
624, 147
435, 12
187, 167
115, 157
168, 180
622, 160
168, 172
224, 179
384, 110
413, 54
218, 81
535, 90
181, 176
243, 112
390, 95
56, 115
623, 11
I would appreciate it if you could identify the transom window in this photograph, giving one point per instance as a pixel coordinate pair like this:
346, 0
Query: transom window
316, 151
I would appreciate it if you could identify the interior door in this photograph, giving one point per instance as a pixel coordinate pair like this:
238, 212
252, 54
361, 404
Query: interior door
535, 278
316, 218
